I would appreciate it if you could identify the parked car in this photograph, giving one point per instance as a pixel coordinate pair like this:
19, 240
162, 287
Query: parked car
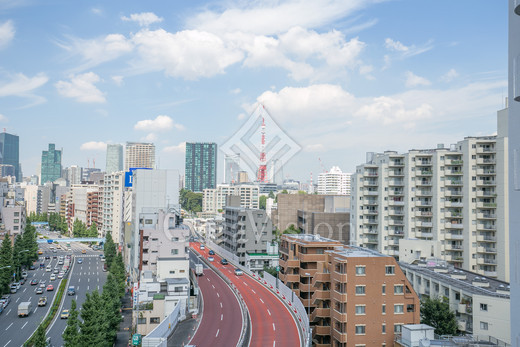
239, 272
32, 267
6, 299
24, 274
22, 281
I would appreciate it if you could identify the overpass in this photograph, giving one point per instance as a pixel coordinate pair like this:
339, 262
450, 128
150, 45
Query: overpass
76, 239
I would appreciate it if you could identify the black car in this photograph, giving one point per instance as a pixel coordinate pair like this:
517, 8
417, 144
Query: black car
224, 262
211, 252
47, 257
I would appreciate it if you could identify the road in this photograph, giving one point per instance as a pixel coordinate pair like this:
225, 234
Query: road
221, 320
271, 322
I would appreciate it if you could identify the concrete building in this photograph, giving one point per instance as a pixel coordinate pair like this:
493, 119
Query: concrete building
245, 230
78, 204
513, 122
13, 218
481, 304
336, 282
113, 204
7, 170
73, 175
114, 160
201, 166
288, 205
10, 153
50, 165
37, 198
454, 196
231, 168
214, 200
139, 155
334, 182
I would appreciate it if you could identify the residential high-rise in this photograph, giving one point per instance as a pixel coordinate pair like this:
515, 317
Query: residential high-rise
113, 204
514, 168
201, 166
334, 182
139, 155
10, 153
114, 158
454, 197
214, 200
51, 164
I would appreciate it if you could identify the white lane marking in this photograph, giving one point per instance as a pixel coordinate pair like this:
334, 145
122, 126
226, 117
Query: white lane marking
217, 332
274, 328
17, 299
88, 279
98, 277
8, 311
88, 287
64, 330
213, 286
218, 295
79, 279
253, 291
245, 283
24, 290
220, 305
24, 325
35, 309
76, 298
262, 301
274, 343
268, 311
8, 342
97, 287
221, 317
9, 326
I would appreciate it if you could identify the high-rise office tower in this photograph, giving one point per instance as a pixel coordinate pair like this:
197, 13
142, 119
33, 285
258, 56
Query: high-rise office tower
232, 163
334, 182
9, 153
139, 155
514, 168
114, 158
201, 166
51, 164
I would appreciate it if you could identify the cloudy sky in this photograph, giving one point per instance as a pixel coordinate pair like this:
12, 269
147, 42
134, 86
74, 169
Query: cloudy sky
340, 77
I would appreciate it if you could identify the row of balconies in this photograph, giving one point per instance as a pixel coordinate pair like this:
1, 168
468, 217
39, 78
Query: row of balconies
486, 261
486, 250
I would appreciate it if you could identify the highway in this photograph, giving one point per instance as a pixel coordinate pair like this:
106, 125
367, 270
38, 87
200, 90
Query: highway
221, 321
271, 322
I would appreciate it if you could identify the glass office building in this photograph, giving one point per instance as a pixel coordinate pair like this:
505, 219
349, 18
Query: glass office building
51, 164
9, 153
201, 166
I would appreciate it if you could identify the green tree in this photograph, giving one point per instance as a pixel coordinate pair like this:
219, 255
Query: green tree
6, 264
79, 229
29, 243
18, 254
118, 271
190, 201
110, 249
40, 340
437, 313
262, 202
270, 270
291, 230
93, 327
111, 307
92, 231
71, 334
271, 195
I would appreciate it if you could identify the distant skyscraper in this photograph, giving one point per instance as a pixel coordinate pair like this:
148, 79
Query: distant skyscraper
51, 164
201, 166
114, 158
139, 155
232, 168
9, 153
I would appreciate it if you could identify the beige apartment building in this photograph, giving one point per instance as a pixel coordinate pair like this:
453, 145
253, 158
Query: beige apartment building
354, 296
140, 155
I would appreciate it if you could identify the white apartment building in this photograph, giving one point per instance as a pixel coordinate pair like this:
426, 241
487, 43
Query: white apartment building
112, 203
456, 197
481, 304
139, 155
334, 182
214, 200
37, 198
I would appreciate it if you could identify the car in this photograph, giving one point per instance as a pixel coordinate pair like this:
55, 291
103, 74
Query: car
211, 258
50, 288
54, 251
60, 275
42, 283
239, 272
22, 281
211, 252
54, 257
42, 265
49, 268
202, 247
6, 299
32, 267
224, 261
39, 291
47, 257
42, 301
83, 251
64, 314
60, 262
71, 291
34, 282
53, 277
59, 236
14, 288
105, 267
24, 274
40, 252
52, 248
80, 261
56, 271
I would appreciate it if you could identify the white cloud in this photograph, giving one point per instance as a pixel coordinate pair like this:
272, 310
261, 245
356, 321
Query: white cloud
96, 11
144, 19
412, 80
160, 124
241, 116
402, 51
395, 46
388, 110
189, 54
3, 118
118, 80
236, 91
151, 137
93, 146
81, 88
21, 85
449, 76
180, 148
6, 33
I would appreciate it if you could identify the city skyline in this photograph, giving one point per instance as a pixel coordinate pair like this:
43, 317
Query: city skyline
340, 83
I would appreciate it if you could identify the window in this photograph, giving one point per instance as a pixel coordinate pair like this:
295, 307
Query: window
172, 272
17, 214
390, 270
360, 309
141, 320
483, 307
360, 330
383, 289
410, 308
175, 251
383, 328
383, 309
360, 270
16, 221
174, 239
148, 221
398, 308
398, 328
398, 289
484, 326
155, 320
360, 290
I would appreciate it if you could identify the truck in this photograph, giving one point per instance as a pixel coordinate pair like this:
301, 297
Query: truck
24, 309
198, 270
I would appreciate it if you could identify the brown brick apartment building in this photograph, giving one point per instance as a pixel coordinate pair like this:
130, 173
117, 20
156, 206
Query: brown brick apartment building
356, 297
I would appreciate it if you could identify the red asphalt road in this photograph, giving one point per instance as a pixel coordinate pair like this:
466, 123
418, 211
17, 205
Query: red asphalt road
271, 322
221, 322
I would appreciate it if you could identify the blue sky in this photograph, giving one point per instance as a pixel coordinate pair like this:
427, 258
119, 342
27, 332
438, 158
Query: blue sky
340, 77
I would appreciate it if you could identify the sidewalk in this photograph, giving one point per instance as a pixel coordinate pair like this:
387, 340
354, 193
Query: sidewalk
125, 327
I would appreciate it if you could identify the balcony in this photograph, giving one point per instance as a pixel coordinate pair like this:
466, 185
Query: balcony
321, 277
423, 213
424, 173
485, 194
453, 162
370, 202
423, 234
395, 222
451, 236
486, 261
453, 204
337, 296
454, 226
370, 174
490, 273
462, 308
289, 277
339, 277
423, 163
370, 192
370, 212
486, 238
340, 317
320, 295
425, 193
396, 173
395, 192
322, 330
395, 213
488, 250
453, 172
395, 203
320, 313
486, 216
370, 240
395, 183
486, 183
370, 221
393, 242
424, 224
340, 337
289, 263
481, 150
461, 325
393, 232
486, 227
370, 183
453, 183
425, 183
311, 257
453, 193
486, 172
450, 247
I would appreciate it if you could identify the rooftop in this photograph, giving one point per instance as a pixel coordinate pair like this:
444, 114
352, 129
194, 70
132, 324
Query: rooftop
310, 238
355, 252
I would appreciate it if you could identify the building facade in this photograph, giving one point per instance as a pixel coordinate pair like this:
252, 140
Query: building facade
10, 153
201, 166
51, 164
139, 155
113, 204
114, 160
214, 200
454, 196
334, 182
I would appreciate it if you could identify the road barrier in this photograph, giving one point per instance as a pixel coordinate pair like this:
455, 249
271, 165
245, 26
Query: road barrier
158, 337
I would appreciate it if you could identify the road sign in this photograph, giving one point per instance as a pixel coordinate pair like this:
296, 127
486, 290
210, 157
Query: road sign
136, 339
277, 268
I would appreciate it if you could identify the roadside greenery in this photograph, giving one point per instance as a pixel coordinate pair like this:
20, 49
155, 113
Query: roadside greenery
79, 229
56, 222
110, 249
6, 264
436, 313
190, 201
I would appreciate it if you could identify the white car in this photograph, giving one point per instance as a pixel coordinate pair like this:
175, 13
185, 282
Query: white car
211, 258
60, 275
53, 277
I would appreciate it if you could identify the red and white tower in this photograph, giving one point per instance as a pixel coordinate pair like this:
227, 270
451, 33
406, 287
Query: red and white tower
262, 169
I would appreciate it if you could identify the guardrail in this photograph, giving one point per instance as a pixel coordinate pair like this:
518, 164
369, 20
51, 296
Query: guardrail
158, 337
284, 293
